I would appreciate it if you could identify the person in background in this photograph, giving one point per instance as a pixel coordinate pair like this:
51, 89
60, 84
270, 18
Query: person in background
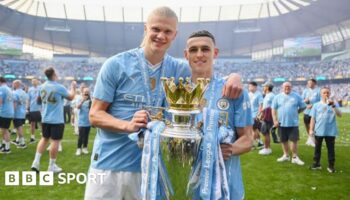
267, 118
6, 115
311, 95
84, 124
288, 105
34, 108
20, 99
323, 126
51, 96
256, 101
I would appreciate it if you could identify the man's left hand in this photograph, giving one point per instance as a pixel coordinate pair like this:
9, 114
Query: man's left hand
233, 87
226, 150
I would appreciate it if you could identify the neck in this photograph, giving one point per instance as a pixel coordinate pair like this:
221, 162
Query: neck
200, 75
153, 57
324, 100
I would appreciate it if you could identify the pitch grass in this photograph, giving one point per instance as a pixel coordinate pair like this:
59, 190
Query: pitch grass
263, 177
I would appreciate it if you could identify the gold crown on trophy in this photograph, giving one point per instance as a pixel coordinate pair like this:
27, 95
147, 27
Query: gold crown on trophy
186, 95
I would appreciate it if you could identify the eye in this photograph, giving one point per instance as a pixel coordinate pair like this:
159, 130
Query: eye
192, 50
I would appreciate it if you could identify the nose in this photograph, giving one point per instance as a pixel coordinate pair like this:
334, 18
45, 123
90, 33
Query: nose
199, 53
161, 35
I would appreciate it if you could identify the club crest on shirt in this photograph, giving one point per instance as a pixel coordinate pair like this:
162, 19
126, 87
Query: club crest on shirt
223, 104
152, 82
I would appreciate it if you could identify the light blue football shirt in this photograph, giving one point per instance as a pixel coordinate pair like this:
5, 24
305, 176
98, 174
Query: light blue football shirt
314, 95
20, 99
120, 82
239, 114
33, 94
52, 95
287, 107
84, 114
267, 103
256, 99
7, 110
325, 119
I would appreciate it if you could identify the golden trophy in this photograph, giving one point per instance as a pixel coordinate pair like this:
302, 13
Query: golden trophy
184, 101
182, 135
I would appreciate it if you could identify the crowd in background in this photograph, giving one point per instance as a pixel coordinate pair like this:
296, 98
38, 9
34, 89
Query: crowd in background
263, 70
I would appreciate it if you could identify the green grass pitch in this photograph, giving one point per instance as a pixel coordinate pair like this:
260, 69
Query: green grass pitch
263, 177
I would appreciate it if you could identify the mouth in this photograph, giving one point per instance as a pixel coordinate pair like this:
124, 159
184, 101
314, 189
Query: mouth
200, 62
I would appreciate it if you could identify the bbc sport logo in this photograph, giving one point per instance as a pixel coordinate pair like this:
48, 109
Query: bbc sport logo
46, 178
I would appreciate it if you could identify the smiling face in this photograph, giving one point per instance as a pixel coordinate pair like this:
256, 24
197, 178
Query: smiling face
160, 31
287, 87
200, 53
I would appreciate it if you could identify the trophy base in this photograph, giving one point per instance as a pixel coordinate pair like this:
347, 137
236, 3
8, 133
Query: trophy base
182, 133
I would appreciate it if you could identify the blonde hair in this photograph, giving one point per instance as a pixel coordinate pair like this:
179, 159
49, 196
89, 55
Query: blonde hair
163, 11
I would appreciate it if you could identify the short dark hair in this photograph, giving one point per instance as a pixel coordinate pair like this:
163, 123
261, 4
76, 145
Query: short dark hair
313, 80
253, 83
49, 72
270, 88
202, 33
2, 79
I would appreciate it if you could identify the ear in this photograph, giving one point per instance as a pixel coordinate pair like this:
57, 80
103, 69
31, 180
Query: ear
216, 52
186, 54
174, 36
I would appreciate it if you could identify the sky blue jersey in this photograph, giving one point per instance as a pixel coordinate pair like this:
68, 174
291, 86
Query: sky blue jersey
6, 108
287, 107
314, 96
52, 95
20, 99
123, 81
325, 119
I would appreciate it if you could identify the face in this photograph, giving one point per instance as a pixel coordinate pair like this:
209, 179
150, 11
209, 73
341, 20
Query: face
287, 87
86, 91
251, 88
159, 33
34, 82
311, 84
15, 84
325, 93
200, 53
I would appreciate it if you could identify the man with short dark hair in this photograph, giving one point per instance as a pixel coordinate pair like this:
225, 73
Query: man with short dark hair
200, 52
6, 114
267, 118
51, 96
256, 101
34, 108
288, 105
311, 95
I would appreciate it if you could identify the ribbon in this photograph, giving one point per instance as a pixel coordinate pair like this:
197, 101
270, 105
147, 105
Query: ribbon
154, 177
208, 180
146, 83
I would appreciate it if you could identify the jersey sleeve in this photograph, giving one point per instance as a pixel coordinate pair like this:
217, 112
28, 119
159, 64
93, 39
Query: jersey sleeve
107, 81
243, 112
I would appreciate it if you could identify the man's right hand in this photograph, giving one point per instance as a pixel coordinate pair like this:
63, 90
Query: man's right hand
276, 124
139, 120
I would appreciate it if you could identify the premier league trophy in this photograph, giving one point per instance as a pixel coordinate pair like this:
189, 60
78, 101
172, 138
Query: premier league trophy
182, 135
